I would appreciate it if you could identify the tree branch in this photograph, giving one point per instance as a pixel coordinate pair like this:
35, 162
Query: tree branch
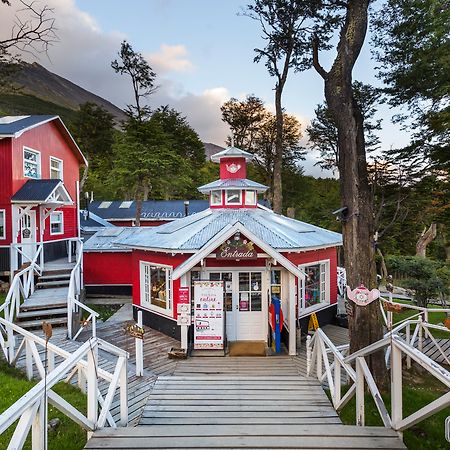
316, 64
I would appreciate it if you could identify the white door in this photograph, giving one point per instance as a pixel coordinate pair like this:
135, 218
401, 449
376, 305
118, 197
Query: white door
250, 298
28, 236
244, 303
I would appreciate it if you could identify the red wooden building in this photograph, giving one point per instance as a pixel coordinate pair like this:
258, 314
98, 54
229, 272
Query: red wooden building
256, 253
39, 176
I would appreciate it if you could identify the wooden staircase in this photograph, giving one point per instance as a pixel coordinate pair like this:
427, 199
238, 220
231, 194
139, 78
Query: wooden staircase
258, 403
48, 302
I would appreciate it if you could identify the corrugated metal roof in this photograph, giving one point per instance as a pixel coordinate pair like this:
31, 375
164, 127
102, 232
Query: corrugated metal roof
232, 152
233, 183
35, 190
91, 221
193, 232
105, 239
151, 209
11, 125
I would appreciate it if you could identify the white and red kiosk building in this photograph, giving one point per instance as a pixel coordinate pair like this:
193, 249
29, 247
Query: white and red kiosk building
253, 251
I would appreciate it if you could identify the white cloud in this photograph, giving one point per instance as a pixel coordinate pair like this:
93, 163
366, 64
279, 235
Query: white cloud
170, 58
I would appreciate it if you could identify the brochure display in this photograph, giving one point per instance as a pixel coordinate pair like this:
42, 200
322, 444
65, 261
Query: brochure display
208, 315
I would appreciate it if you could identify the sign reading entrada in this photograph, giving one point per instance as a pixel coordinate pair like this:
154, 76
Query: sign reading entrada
237, 248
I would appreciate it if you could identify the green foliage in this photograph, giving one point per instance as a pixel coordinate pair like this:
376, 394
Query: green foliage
68, 435
413, 44
142, 77
418, 391
323, 134
426, 277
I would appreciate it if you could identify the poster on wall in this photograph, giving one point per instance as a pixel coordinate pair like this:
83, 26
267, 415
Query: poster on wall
208, 315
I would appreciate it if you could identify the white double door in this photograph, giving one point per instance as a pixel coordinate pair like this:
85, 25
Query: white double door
245, 303
28, 235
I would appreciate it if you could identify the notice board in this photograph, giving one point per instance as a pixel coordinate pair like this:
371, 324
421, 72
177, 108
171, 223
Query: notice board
208, 315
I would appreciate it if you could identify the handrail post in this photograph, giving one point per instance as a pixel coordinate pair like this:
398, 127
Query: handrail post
337, 381
408, 340
396, 385
360, 420
39, 427
420, 343
123, 393
308, 355
319, 358
92, 386
69, 316
139, 349
69, 251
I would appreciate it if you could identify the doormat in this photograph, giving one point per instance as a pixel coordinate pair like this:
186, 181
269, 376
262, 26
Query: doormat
248, 348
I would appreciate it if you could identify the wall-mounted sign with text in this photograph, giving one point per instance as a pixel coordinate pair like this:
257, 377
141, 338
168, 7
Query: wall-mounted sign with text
237, 247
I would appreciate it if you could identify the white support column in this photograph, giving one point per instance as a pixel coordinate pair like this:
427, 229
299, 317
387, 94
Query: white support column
92, 387
28, 360
359, 393
39, 427
184, 337
139, 349
396, 386
292, 318
123, 380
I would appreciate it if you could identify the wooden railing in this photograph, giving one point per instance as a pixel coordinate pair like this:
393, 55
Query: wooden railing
73, 304
31, 410
320, 348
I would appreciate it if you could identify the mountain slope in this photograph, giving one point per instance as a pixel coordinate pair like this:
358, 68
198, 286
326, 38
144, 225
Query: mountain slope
49, 89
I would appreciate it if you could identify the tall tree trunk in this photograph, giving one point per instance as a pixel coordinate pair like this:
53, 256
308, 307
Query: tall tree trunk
138, 198
365, 326
277, 166
426, 237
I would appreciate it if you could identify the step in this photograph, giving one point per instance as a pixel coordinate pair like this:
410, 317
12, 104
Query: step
39, 313
56, 272
263, 436
29, 324
56, 276
49, 284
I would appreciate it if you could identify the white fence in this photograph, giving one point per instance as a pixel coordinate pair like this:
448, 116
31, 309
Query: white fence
334, 365
31, 410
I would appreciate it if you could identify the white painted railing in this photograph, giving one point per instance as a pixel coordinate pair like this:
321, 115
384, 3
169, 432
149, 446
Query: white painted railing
31, 410
73, 303
320, 348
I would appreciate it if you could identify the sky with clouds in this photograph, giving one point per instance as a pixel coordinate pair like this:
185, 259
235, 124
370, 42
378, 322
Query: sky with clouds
201, 50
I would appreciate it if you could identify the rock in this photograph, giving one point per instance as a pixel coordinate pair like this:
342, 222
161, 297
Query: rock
53, 424
4, 286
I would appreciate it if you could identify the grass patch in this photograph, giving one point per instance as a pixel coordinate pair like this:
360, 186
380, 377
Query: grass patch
105, 311
418, 390
68, 436
435, 318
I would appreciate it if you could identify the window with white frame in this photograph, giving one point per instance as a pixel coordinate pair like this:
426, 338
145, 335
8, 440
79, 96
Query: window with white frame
56, 168
2, 224
156, 287
31, 163
233, 197
216, 198
250, 197
314, 290
57, 223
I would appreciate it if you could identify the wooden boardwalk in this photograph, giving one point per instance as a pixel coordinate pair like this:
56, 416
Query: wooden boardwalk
217, 402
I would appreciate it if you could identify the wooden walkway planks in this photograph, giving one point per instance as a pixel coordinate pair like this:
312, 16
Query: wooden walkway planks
273, 436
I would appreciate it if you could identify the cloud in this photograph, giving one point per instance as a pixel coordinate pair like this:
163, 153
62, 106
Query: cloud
170, 58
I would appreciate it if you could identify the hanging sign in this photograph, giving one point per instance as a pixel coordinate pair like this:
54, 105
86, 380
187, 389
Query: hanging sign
134, 330
362, 296
237, 248
26, 233
208, 315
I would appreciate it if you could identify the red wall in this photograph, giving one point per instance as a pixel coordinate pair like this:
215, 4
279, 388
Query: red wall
5, 185
241, 173
107, 268
157, 258
319, 255
48, 141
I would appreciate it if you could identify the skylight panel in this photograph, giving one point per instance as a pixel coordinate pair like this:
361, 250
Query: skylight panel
105, 205
126, 205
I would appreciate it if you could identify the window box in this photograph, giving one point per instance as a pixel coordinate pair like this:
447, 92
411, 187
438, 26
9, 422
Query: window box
31, 163
56, 168
314, 291
156, 287
2, 224
233, 197
57, 223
